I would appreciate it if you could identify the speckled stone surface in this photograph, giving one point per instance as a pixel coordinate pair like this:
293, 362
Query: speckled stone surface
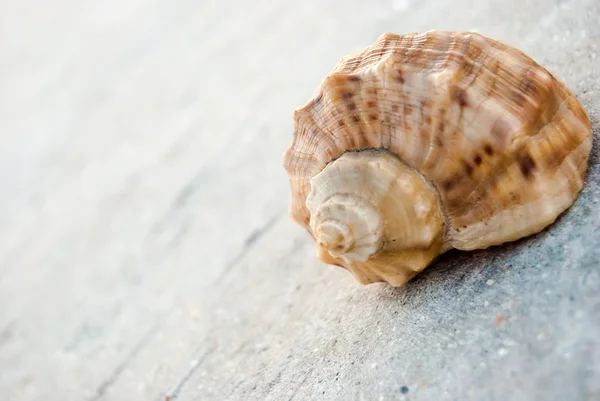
146, 252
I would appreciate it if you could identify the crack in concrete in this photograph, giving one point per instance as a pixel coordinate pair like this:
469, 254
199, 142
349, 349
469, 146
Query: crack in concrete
172, 395
248, 243
116, 373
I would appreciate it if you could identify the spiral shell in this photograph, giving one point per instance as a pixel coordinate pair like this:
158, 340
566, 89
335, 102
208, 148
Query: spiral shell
451, 139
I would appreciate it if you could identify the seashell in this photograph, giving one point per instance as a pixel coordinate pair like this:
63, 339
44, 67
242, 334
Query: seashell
425, 142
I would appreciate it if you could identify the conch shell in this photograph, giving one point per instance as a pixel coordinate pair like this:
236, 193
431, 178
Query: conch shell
425, 142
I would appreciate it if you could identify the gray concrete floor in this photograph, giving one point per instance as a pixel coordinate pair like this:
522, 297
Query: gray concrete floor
145, 246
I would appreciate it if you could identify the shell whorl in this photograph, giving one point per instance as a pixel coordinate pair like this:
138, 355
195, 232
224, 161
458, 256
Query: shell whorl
368, 206
347, 226
504, 143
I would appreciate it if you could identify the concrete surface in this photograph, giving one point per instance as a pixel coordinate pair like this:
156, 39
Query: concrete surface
145, 247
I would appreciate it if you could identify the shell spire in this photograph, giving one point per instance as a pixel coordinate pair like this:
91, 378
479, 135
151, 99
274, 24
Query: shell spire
425, 142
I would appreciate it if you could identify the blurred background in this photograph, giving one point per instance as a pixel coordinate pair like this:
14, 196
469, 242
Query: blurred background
145, 247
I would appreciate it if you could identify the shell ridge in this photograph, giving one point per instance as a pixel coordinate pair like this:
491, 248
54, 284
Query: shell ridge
482, 186
344, 129
476, 110
472, 41
499, 167
372, 136
327, 137
332, 114
536, 206
521, 144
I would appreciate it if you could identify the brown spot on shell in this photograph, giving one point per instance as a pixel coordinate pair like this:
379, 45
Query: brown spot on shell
518, 98
355, 118
427, 104
529, 87
514, 197
461, 97
477, 160
400, 76
371, 103
353, 78
341, 123
450, 183
488, 150
468, 169
526, 164
468, 68
441, 126
347, 95
373, 117
394, 108
351, 106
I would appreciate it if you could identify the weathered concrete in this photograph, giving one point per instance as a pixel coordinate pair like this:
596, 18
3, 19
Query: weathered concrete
144, 240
